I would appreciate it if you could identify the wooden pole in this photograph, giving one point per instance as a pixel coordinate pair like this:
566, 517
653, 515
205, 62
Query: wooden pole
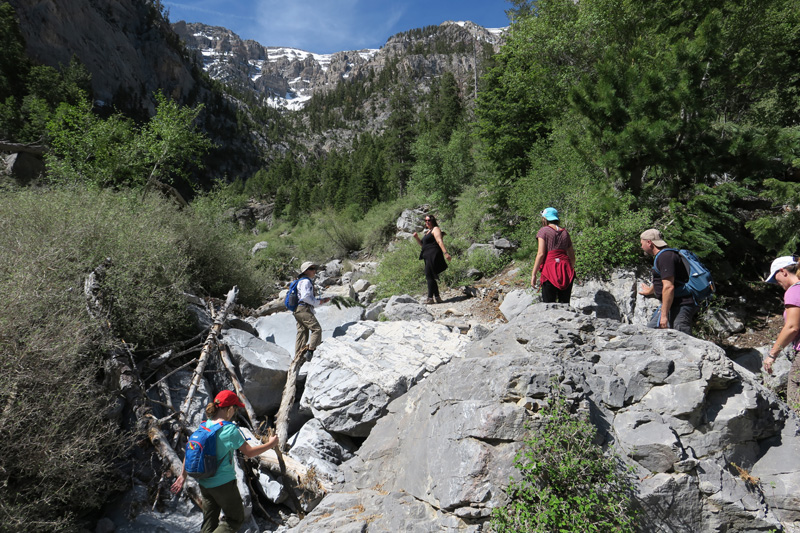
210, 340
165, 451
226, 360
287, 400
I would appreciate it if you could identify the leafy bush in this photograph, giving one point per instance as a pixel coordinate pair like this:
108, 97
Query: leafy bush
486, 261
472, 219
568, 483
400, 271
599, 249
378, 226
57, 448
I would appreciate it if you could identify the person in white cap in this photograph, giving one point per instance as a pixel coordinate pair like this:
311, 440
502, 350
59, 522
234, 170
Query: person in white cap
309, 332
784, 272
669, 280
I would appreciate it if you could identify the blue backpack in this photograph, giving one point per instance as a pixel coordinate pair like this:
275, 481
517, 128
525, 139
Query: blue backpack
292, 299
700, 284
201, 451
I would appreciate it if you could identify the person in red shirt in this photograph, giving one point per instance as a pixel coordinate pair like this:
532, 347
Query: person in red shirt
555, 259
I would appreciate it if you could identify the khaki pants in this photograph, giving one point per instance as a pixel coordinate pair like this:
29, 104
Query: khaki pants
306, 323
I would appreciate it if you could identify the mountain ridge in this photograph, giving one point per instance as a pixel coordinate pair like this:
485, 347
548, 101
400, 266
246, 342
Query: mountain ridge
287, 77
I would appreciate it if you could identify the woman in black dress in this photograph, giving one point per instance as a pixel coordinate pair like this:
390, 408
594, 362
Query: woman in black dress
434, 254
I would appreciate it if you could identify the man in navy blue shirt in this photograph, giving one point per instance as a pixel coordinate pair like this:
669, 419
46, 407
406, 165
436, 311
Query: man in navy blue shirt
669, 278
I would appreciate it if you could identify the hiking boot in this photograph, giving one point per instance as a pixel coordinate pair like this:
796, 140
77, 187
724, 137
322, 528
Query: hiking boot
429, 301
438, 299
308, 355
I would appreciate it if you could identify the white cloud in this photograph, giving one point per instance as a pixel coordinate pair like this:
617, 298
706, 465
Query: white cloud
209, 7
326, 25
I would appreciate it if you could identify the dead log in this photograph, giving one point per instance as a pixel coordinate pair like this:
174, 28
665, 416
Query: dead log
287, 400
226, 360
290, 486
35, 149
300, 475
165, 451
210, 341
269, 308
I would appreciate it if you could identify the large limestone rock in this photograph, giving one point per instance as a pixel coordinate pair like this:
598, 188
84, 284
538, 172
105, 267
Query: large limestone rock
281, 328
674, 408
353, 378
404, 307
262, 365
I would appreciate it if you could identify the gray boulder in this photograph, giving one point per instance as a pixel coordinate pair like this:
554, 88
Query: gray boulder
257, 247
313, 446
374, 311
615, 298
353, 378
410, 221
281, 328
724, 321
515, 302
673, 408
488, 248
262, 365
404, 307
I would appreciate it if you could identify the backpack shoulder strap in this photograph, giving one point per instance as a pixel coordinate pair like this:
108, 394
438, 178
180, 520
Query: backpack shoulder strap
655, 259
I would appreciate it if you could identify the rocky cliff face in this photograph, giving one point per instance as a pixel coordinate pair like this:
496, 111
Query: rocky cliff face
288, 77
125, 46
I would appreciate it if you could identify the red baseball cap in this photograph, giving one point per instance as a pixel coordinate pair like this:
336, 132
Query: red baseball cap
227, 398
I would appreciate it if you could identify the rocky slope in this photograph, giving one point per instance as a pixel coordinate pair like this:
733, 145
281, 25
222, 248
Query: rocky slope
413, 413
126, 46
288, 77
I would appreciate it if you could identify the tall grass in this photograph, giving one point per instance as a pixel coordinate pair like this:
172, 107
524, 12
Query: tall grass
57, 447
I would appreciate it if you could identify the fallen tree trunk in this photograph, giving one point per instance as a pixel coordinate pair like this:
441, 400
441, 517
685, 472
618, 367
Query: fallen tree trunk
226, 360
165, 451
269, 308
300, 475
34, 149
287, 400
210, 340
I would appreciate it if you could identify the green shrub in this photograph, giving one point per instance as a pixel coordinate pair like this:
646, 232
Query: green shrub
472, 219
487, 262
379, 224
401, 271
340, 231
567, 483
57, 449
603, 247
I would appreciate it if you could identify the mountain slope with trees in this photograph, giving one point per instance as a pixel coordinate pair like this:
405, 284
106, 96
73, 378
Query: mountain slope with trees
679, 114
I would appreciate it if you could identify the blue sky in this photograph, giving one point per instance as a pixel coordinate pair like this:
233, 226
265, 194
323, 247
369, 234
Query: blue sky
327, 26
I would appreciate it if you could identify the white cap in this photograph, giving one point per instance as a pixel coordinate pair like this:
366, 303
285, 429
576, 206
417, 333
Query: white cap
779, 263
305, 266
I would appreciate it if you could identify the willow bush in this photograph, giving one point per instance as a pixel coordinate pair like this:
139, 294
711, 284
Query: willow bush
567, 483
59, 448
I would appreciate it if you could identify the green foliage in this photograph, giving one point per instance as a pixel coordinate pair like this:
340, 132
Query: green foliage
472, 217
400, 271
58, 450
442, 169
14, 64
601, 248
605, 109
568, 483
486, 261
115, 153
